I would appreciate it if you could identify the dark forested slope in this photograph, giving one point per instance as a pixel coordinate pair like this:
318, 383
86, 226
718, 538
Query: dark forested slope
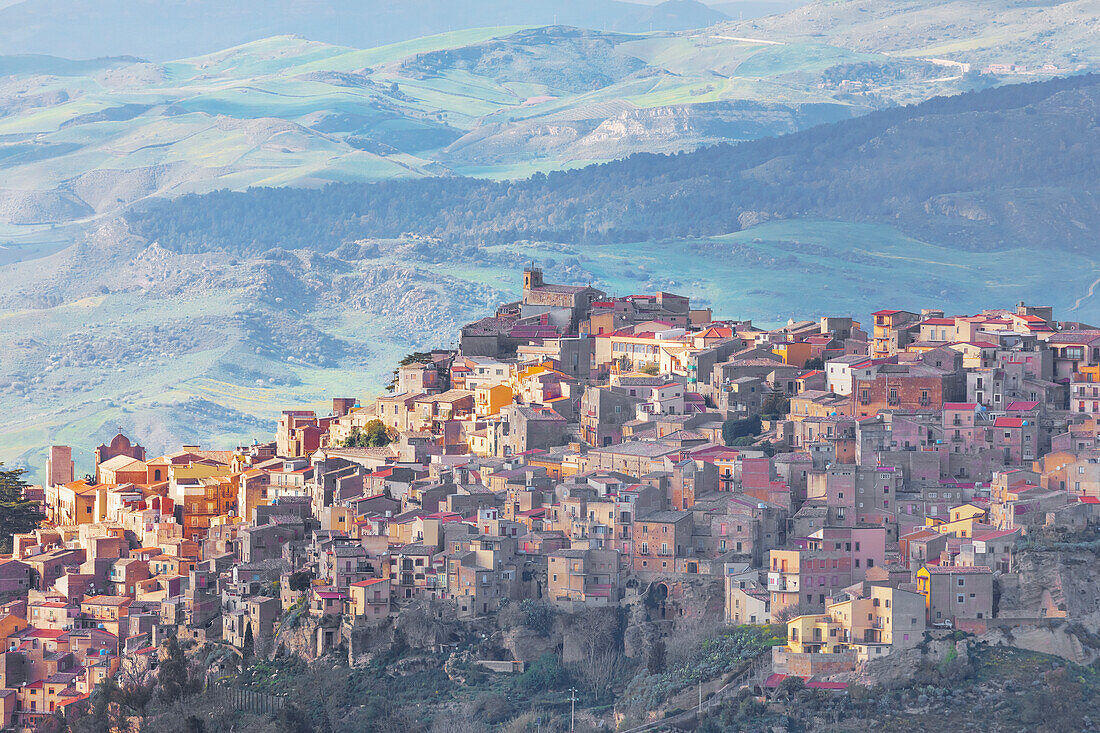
1015, 165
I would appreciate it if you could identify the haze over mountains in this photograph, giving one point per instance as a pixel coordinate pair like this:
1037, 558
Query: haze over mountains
183, 319
162, 30
85, 139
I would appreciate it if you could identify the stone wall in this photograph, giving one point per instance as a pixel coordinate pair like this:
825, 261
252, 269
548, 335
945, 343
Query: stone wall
807, 665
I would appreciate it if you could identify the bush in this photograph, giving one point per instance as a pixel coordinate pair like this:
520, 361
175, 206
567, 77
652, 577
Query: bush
735, 430
545, 673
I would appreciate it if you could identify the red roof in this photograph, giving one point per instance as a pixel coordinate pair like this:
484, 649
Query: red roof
717, 332
884, 313
960, 405
938, 322
365, 583
1008, 422
1021, 405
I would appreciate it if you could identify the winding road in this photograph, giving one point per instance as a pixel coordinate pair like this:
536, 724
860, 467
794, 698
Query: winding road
1086, 296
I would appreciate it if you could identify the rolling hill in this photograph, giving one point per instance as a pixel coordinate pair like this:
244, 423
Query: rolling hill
1031, 180
1016, 36
79, 139
161, 30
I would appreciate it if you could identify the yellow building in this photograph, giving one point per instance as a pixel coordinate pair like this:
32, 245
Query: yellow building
964, 520
489, 399
967, 511
74, 503
201, 493
794, 353
816, 633
871, 622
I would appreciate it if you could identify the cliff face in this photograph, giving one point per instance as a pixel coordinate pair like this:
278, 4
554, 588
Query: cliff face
1051, 584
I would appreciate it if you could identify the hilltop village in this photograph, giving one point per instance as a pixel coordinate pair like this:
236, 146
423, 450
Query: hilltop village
863, 484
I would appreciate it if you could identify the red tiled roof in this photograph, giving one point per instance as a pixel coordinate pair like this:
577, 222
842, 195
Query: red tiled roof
366, 583
960, 405
1008, 422
1022, 405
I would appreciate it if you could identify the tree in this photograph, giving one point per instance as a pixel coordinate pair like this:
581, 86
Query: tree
100, 719
17, 515
814, 363
416, 357
775, 405
248, 649
790, 687
733, 430
373, 435
173, 676
300, 580
601, 659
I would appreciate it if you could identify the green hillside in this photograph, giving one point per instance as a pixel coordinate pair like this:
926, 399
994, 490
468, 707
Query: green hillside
89, 138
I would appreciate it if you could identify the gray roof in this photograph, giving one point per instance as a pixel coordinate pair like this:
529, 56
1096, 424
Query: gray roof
642, 448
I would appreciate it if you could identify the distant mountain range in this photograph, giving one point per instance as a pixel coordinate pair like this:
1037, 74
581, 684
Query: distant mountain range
161, 30
1030, 180
86, 138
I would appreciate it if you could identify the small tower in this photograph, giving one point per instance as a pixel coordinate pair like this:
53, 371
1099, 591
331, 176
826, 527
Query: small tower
532, 278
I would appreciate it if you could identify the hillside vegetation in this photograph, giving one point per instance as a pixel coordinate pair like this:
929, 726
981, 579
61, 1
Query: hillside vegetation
1006, 167
81, 139
309, 96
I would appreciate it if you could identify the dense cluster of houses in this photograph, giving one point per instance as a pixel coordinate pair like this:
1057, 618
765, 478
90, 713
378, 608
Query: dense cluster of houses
861, 485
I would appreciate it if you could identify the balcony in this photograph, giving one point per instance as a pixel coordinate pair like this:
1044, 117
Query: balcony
780, 582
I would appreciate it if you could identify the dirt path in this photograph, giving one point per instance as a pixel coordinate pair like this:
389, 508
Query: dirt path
1086, 296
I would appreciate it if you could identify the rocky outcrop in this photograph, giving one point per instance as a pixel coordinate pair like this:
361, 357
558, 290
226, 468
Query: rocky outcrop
1049, 584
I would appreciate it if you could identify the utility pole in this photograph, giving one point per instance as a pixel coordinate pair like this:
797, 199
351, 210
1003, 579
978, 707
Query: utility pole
572, 707
700, 694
